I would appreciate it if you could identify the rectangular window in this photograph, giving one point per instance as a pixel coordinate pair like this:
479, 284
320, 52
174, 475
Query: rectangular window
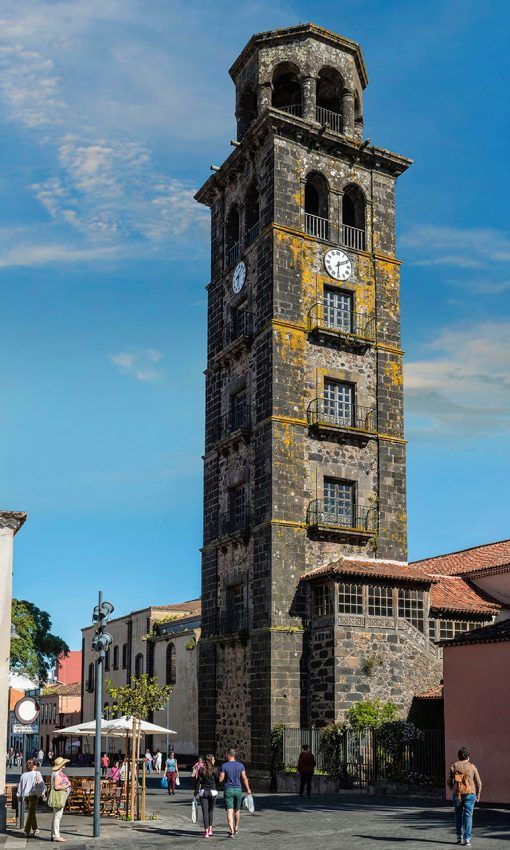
339, 502
115, 657
338, 403
235, 608
451, 628
238, 506
432, 629
323, 600
410, 607
124, 656
238, 411
338, 313
350, 598
380, 601
107, 660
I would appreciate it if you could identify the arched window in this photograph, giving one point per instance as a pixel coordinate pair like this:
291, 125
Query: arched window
91, 678
251, 213
138, 665
115, 657
247, 109
287, 89
358, 115
353, 217
124, 655
232, 235
329, 98
171, 672
316, 206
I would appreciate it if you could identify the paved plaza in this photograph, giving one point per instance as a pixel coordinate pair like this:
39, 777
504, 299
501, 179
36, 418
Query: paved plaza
285, 822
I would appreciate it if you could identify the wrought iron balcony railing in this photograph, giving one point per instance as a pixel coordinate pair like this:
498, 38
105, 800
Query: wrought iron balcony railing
235, 522
233, 253
236, 421
240, 328
353, 237
252, 233
324, 317
292, 109
233, 622
316, 226
350, 417
356, 519
326, 116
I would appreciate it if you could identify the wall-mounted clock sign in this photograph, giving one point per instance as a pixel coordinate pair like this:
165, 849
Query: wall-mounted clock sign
338, 264
239, 277
26, 710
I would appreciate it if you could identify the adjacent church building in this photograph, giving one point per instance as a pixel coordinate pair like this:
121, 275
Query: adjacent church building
308, 602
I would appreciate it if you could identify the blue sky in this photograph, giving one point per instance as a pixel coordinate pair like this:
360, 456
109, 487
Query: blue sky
111, 112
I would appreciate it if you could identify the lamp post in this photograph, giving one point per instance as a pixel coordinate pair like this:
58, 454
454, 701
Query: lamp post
10, 524
100, 643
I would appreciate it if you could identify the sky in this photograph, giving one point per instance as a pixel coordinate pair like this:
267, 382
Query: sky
111, 113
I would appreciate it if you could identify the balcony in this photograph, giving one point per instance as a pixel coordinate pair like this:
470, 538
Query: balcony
316, 226
233, 253
235, 427
326, 116
235, 524
347, 419
293, 109
252, 233
357, 521
234, 622
237, 333
356, 328
353, 237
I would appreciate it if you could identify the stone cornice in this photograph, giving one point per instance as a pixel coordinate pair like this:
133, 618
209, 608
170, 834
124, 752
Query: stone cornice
12, 519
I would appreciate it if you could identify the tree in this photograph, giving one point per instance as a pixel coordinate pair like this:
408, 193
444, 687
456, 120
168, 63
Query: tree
371, 713
140, 698
36, 649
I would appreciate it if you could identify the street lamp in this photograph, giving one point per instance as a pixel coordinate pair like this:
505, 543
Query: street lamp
100, 643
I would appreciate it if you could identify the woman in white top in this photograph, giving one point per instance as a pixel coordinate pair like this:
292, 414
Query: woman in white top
31, 787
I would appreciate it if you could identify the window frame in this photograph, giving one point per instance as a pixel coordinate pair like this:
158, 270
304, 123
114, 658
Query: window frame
380, 606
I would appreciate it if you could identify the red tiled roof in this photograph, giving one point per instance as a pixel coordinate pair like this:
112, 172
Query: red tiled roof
495, 633
71, 690
452, 593
367, 568
491, 557
194, 606
433, 693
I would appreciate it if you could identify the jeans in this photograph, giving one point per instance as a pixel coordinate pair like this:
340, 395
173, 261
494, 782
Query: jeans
171, 776
305, 780
464, 806
207, 801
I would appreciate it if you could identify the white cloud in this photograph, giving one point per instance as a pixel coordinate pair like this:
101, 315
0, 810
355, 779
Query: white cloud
463, 387
140, 364
30, 254
433, 245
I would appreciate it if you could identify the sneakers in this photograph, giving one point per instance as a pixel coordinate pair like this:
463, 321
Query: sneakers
459, 839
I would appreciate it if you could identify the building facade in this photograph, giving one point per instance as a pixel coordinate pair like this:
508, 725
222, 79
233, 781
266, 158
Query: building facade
60, 706
153, 640
305, 583
68, 668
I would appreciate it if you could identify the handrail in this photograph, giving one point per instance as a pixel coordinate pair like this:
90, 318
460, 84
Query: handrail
329, 318
316, 226
327, 116
352, 416
357, 518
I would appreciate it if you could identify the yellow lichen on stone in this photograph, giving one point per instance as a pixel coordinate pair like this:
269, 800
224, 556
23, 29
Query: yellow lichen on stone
394, 372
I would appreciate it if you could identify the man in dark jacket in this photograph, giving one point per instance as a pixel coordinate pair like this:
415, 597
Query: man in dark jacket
305, 768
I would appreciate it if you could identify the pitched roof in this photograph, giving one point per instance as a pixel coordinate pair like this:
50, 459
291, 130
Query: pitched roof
455, 594
370, 568
193, 606
71, 690
495, 633
433, 693
491, 557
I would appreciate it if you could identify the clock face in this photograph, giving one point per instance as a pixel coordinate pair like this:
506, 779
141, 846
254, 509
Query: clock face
239, 277
338, 264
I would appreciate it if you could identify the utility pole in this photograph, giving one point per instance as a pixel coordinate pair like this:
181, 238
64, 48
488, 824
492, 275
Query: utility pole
100, 643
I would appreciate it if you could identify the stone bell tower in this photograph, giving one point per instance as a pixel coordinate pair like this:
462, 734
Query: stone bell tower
304, 455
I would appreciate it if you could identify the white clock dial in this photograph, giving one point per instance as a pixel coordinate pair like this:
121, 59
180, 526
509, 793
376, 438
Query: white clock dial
239, 277
338, 264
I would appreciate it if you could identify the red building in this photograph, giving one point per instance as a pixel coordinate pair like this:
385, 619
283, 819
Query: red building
68, 669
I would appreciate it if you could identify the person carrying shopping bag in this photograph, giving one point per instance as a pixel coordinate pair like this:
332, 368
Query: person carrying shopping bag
57, 798
31, 788
171, 773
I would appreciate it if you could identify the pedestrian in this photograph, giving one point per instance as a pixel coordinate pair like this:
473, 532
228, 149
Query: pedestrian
31, 788
10, 757
50, 755
40, 756
171, 772
105, 764
205, 788
148, 761
197, 766
158, 758
114, 773
57, 798
233, 773
305, 768
464, 780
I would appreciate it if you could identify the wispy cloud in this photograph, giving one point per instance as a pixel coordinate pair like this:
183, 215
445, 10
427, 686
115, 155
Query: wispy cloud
433, 245
463, 388
139, 364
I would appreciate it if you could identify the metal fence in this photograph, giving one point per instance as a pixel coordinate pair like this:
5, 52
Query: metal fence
362, 758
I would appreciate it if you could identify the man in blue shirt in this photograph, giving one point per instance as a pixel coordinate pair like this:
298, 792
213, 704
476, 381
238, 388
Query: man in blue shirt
233, 774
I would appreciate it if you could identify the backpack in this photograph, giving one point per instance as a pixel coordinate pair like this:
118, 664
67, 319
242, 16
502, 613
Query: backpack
462, 783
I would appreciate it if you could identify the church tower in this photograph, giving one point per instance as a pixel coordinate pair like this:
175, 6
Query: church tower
305, 452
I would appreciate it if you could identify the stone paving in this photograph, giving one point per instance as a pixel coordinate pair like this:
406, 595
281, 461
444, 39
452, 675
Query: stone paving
283, 821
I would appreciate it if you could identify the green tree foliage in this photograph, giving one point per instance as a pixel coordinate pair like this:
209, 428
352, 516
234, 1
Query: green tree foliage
139, 698
371, 714
330, 745
34, 651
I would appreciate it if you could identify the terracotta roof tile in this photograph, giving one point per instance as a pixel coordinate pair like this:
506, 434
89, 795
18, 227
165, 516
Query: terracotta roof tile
491, 557
433, 693
455, 594
71, 690
495, 633
370, 568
